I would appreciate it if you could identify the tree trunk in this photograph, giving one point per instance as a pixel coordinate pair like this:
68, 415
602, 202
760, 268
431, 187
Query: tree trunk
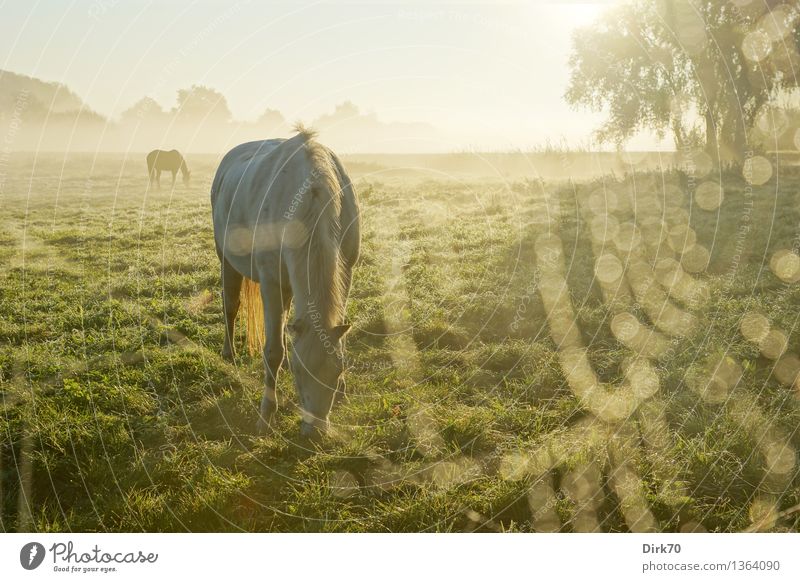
712, 145
678, 133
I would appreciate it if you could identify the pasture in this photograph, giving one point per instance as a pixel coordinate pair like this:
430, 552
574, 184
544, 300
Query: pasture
522, 359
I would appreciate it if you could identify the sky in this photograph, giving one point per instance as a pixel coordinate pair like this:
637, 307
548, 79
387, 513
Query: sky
490, 75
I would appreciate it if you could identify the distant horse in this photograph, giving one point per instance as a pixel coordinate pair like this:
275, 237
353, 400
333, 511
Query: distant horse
171, 161
286, 225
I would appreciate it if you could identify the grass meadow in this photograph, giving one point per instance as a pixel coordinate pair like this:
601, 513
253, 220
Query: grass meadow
614, 354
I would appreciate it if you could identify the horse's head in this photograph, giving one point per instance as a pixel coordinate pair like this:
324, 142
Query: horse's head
318, 369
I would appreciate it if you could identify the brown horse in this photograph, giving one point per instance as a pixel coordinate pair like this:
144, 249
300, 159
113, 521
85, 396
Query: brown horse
171, 161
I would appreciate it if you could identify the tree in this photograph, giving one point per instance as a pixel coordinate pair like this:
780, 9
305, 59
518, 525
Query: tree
202, 104
697, 68
144, 110
271, 120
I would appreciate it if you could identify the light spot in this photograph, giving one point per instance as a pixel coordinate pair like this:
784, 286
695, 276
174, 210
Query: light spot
446, 474
709, 195
307, 417
295, 234
608, 268
754, 326
727, 369
652, 230
698, 294
541, 460
780, 458
696, 259
715, 390
343, 484
542, 501
669, 272
757, 170
628, 237
580, 485
625, 327
602, 201
384, 476
642, 378
612, 405
604, 228
756, 46
239, 240
628, 488
697, 164
691, 33
693, 527
772, 121
424, 430
548, 250
681, 238
777, 23
266, 237
787, 369
580, 376
200, 301
514, 466
763, 513
714, 380
675, 215
786, 266
774, 344
673, 196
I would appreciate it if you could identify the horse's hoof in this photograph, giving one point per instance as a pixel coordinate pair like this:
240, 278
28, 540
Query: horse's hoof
312, 432
263, 427
266, 416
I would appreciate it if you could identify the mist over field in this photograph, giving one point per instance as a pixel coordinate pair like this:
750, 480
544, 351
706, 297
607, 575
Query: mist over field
48, 116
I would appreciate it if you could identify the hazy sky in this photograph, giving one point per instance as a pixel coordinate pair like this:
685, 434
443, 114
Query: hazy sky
490, 74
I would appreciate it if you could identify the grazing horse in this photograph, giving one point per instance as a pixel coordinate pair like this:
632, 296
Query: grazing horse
171, 161
286, 226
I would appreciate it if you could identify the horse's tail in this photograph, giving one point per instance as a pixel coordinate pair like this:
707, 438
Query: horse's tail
251, 308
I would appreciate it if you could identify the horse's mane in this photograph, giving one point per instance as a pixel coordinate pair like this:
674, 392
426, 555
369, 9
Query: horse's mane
320, 253
304, 133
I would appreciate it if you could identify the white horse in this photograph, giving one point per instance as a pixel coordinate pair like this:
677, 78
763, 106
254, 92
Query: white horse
286, 225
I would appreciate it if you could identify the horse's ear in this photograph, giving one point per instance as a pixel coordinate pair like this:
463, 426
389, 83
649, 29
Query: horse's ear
296, 327
339, 331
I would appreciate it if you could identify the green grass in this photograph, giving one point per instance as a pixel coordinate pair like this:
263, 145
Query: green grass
114, 394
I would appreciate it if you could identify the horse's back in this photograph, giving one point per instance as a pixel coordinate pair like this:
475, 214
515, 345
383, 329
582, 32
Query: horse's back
164, 160
238, 171
242, 157
259, 187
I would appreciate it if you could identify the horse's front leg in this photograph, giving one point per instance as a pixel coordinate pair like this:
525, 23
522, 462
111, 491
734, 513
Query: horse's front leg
174, 173
274, 351
158, 178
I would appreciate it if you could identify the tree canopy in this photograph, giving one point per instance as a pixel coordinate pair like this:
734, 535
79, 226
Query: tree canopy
699, 69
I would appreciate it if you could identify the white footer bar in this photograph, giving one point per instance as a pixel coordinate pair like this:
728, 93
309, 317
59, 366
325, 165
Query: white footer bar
406, 557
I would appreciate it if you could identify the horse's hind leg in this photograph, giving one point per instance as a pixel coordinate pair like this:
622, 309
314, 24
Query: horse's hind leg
274, 351
231, 288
